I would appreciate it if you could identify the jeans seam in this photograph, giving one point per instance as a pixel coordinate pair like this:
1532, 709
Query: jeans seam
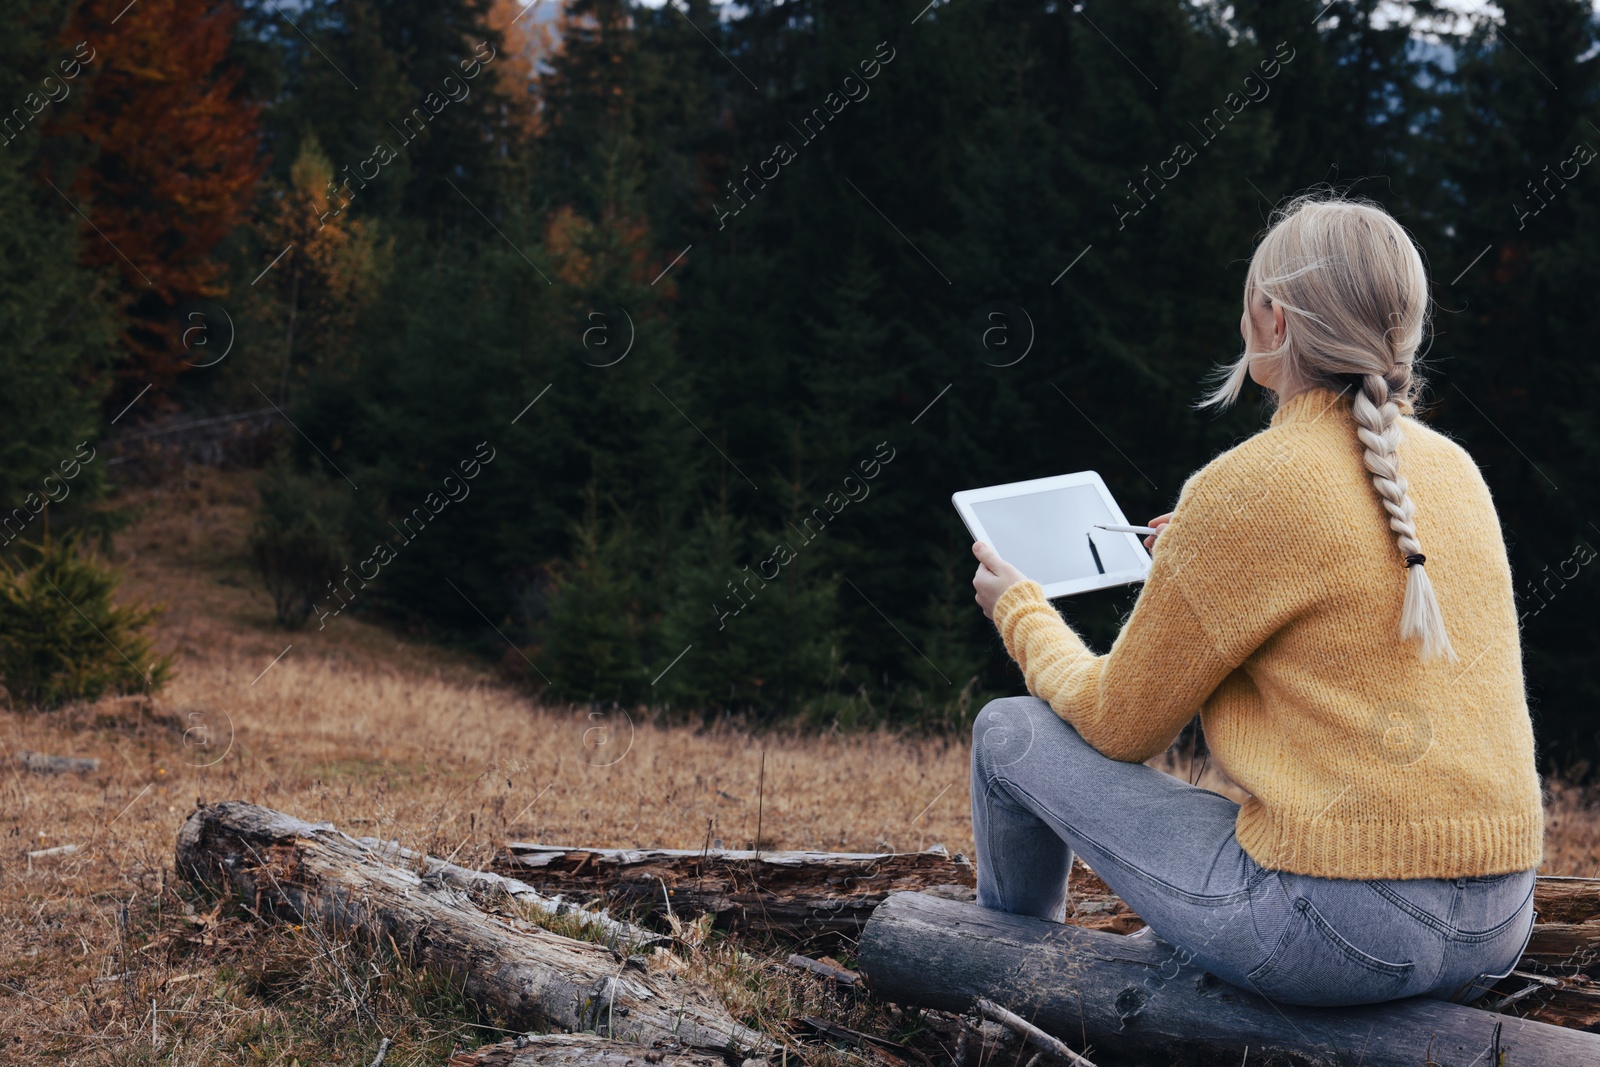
1444, 927
1483, 982
1182, 894
1495, 931
1272, 954
1480, 936
1447, 928
988, 833
1520, 951
1450, 933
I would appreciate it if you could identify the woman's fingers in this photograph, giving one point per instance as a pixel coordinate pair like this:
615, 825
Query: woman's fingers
1158, 524
986, 555
992, 561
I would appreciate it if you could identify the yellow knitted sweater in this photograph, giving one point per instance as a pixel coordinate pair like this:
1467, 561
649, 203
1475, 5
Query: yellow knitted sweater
1273, 610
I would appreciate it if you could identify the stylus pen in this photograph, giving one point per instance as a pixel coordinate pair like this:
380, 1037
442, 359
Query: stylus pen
1145, 530
1095, 552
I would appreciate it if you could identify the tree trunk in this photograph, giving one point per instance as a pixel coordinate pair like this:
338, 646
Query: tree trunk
523, 975
1121, 997
801, 894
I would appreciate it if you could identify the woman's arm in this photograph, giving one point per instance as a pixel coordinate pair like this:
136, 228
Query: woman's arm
1130, 703
1233, 566
1172, 652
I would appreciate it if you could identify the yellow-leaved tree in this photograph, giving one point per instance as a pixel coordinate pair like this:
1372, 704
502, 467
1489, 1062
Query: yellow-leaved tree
332, 266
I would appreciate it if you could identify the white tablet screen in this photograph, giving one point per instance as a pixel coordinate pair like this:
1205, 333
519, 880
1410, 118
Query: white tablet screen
1046, 535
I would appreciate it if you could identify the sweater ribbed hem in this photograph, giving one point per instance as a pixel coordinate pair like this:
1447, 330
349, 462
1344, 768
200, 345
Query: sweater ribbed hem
1432, 848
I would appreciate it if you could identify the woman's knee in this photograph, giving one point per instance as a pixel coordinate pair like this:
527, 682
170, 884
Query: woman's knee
1004, 729
997, 713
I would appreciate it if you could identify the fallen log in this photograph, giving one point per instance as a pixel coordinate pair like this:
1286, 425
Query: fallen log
795, 893
1561, 899
42, 763
485, 889
1569, 946
521, 974
576, 1050
1570, 1000
1566, 936
1129, 997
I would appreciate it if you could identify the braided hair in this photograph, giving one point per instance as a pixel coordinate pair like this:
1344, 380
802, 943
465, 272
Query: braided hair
1354, 296
1377, 417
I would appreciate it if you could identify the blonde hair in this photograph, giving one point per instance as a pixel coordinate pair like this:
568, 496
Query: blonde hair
1354, 294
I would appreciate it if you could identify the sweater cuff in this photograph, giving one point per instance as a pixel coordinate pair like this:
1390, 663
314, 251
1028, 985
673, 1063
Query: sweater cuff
1016, 603
1016, 595
1025, 617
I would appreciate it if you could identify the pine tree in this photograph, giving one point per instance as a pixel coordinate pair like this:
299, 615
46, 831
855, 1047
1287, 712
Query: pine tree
676, 354
757, 614
54, 316
593, 640
63, 638
1514, 261
408, 101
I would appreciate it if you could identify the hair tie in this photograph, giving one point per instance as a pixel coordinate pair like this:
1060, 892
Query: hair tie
1416, 559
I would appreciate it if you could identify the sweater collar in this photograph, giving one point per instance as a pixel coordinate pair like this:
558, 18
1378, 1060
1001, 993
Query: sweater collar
1315, 403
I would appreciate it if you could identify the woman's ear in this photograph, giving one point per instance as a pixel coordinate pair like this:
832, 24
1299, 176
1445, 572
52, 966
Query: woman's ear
1278, 327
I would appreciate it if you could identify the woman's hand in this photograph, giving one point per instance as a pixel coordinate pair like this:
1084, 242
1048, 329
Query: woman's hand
994, 577
1156, 524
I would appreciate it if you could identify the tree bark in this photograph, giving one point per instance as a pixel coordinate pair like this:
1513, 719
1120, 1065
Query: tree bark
523, 975
801, 894
1122, 998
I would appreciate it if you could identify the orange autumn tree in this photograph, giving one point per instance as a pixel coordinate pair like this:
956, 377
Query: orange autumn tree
174, 158
530, 36
617, 250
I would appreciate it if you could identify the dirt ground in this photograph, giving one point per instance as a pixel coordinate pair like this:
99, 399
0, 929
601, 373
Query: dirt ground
99, 964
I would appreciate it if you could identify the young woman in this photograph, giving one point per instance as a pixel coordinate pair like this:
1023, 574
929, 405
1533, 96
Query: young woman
1372, 708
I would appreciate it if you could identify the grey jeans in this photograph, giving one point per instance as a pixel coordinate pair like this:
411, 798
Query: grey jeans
1040, 793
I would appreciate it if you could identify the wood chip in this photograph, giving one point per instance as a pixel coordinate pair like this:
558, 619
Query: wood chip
827, 968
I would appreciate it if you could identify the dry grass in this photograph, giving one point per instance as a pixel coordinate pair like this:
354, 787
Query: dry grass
101, 961
383, 737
